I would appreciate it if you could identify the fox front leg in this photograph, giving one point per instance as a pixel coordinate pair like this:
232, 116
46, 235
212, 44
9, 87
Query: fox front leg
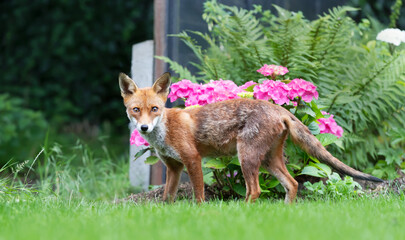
173, 173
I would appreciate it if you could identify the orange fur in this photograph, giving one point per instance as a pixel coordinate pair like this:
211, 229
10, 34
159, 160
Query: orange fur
254, 129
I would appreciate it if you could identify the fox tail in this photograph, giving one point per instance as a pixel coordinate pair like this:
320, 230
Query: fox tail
301, 136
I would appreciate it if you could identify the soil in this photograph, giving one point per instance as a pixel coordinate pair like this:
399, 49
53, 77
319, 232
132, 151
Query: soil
394, 186
214, 192
185, 191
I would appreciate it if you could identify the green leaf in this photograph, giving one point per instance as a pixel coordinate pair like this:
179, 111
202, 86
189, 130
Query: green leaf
215, 163
339, 143
309, 186
314, 128
151, 160
239, 189
325, 168
273, 183
183, 72
293, 166
235, 161
307, 110
208, 178
304, 118
312, 171
326, 138
250, 88
314, 159
141, 152
263, 170
315, 108
347, 99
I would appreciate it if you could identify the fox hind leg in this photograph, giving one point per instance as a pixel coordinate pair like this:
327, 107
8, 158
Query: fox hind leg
250, 163
276, 166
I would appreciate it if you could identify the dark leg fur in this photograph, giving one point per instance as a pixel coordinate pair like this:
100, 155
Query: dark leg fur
194, 169
174, 169
277, 168
250, 163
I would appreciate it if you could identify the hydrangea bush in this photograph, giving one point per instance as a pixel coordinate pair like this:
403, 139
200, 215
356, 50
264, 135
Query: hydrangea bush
297, 95
278, 92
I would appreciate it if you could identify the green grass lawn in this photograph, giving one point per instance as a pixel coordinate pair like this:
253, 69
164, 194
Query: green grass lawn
70, 198
49, 218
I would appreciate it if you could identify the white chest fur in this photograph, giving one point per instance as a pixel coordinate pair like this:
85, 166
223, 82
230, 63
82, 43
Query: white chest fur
156, 139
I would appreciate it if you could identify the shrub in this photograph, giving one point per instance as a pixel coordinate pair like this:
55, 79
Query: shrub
334, 187
21, 130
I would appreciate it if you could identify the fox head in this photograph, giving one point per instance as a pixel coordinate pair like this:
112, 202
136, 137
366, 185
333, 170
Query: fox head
145, 106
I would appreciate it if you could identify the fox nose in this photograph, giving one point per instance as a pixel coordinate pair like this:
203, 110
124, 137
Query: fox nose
144, 127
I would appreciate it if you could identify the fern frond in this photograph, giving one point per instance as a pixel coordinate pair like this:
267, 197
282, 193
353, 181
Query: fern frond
191, 43
183, 72
287, 37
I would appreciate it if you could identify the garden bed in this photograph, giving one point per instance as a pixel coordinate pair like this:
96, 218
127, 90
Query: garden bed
185, 192
213, 192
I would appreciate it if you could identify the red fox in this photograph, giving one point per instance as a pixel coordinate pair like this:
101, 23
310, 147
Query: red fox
255, 130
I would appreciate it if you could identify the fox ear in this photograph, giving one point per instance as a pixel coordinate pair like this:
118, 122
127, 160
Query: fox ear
127, 85
162, 84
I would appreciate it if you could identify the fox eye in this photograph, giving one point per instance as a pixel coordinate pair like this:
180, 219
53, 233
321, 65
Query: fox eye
136, 109
154, 109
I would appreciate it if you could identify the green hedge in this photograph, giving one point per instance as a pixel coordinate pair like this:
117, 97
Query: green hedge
63, 57
22, 131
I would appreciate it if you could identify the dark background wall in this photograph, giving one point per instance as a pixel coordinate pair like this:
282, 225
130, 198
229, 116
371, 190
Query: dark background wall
187, 15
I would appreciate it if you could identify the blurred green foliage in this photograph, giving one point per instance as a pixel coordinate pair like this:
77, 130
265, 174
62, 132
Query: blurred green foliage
63, 57
21, 130
379, 9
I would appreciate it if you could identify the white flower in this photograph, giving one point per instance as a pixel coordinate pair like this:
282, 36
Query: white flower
392, 35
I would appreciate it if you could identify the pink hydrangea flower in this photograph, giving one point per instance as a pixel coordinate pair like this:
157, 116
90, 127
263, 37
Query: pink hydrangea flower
272, 70
329, 125
193, 100
225, 84
275, 90
304, 89
246, 85
214, 91
137, 139
182, 89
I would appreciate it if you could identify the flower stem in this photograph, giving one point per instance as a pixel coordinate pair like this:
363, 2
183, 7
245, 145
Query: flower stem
230, 184
298, 104
217, 178
391, 48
